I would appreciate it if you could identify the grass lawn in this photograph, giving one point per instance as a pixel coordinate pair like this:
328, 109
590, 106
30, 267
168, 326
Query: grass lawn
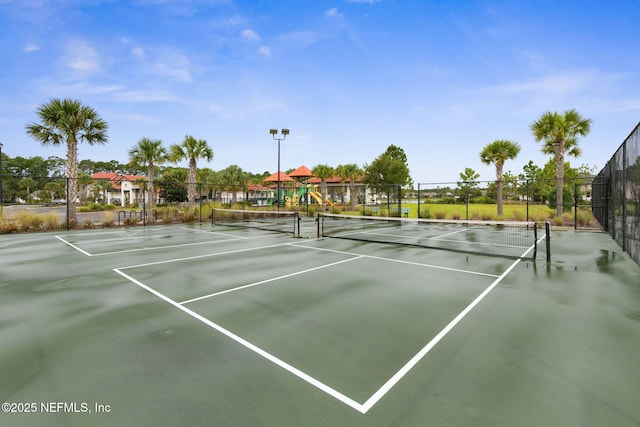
516, 212
483, 211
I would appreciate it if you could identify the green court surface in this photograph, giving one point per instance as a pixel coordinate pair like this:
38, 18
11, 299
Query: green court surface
210, 325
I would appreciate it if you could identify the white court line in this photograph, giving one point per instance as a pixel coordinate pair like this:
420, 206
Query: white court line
271, 280
163, 233
213, 232
438, 267
382, 391
204, 256
73, 246
386, 387
308, 378
156, 248
123, 239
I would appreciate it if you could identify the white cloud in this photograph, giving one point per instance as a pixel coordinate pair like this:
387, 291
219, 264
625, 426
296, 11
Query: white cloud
66, 88
31, 47
250, 35
174, 65
265, 51
143, 96
298, 39
332, 12
139, 118
80, 56
137, 52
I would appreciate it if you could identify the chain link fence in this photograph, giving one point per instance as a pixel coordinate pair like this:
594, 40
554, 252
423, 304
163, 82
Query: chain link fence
616, 192
523, 200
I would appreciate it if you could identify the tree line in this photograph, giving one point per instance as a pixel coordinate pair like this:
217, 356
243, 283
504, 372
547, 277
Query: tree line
68, 122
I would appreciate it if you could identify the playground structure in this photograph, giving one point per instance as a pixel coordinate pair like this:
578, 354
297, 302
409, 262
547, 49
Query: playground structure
298, 196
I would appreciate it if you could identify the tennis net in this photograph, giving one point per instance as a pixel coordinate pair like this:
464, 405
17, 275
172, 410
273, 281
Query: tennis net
502, 238
279, 221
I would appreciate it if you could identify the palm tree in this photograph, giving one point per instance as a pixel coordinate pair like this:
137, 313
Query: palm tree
560, 136
191, 149
101, 189
323, 172
234, 178
205, 176
149, 152
27, 184
69, 122
84, 180
497, 153
350, 172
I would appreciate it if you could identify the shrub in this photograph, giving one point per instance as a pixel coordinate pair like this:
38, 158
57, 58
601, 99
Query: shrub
425, 212
30, 222
187, 217
8, 226
456, 215
440, 214
131, 221
168, 214
585, 218
108, 219
483, 200
567, 199
51, 222
519, 216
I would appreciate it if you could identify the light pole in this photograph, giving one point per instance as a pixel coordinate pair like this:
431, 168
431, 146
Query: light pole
273, 133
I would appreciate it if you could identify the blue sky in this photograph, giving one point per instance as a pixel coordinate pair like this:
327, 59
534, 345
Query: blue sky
440, 79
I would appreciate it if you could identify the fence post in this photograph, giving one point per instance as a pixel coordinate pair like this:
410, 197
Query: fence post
527, 197
68, 201
624, 198
467, 201
575, 206
418, 200
144, 206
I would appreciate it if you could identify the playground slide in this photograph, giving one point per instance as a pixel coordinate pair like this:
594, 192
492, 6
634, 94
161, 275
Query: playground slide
318, 198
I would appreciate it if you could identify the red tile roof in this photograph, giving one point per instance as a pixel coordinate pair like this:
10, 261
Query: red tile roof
301, 172
283, 178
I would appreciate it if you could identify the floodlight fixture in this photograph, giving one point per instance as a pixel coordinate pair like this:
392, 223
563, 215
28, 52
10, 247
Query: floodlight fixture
273, 131
285, 131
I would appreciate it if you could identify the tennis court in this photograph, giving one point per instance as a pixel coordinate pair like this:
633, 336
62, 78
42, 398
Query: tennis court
222, 325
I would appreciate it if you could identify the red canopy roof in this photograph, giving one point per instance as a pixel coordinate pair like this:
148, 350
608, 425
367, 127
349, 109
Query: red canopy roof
283, 178
301, 172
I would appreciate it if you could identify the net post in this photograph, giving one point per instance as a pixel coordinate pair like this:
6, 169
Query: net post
318, 235
296, 225
535, 241
547, 231
212, 219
